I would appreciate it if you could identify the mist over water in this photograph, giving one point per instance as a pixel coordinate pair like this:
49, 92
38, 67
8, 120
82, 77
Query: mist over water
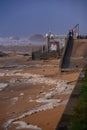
21, 41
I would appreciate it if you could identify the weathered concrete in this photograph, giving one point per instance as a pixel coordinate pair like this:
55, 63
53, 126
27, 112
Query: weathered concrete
75, 55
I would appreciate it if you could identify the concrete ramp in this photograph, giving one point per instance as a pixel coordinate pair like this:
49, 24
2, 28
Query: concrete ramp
66, 57
75, 55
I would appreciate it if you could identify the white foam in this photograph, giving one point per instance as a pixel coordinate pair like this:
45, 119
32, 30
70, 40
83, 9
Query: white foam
14, 100
21, 94
22, 125
3, 86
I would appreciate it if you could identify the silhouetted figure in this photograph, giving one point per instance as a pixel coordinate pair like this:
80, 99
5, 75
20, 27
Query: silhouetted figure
71, 33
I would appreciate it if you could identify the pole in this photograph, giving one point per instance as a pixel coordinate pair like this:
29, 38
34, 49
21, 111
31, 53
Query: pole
47, 40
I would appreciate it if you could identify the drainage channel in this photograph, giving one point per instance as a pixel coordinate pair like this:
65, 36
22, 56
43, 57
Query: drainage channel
68, 113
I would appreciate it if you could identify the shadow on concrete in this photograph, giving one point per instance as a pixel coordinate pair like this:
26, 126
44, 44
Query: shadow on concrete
67, 54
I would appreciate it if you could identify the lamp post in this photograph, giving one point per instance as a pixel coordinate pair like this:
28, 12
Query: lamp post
47, 40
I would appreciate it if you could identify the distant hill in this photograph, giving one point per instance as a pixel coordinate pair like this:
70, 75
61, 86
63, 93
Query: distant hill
37, 38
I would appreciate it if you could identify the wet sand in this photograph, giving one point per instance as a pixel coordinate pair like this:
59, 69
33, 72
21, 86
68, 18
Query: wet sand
36, 93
